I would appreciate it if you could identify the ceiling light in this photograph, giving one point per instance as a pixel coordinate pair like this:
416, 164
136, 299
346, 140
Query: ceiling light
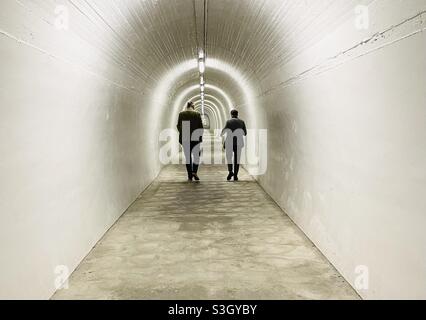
202, 66
201, 54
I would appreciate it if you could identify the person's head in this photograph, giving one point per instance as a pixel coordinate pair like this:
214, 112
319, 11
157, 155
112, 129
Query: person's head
190, 106
234, 113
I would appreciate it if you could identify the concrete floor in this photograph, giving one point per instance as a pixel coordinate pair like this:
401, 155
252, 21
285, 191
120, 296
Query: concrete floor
211, 240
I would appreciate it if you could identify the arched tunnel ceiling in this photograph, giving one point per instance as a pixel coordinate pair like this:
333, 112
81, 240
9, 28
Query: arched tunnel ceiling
213, 77
163, 33
146, 39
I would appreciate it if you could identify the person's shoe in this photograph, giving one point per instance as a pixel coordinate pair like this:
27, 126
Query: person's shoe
230, 175
196, 177
235, 178
190, 177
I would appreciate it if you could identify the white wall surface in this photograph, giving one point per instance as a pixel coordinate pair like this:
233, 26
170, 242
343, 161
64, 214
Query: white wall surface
73, 154
347, 149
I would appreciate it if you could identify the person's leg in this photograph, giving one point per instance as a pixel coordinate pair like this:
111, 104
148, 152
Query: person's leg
188, 160
229, 157
237, 161
196, 152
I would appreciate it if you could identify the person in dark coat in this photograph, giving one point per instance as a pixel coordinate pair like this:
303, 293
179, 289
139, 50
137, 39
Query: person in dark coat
235, 131
191, 129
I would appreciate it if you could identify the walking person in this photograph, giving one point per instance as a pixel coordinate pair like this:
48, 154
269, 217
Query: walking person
191, 130
235, 131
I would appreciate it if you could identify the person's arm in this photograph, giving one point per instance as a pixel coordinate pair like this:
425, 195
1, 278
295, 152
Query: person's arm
200, 126
244, 128
179, 124
200, 122
225, 129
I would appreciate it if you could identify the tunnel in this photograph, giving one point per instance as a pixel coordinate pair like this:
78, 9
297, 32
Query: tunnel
333, 92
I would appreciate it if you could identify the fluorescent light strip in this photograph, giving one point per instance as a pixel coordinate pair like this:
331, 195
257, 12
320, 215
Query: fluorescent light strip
202, 66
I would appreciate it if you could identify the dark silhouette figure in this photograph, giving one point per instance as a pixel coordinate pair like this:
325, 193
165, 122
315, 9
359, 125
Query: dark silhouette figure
190, 127
235, 131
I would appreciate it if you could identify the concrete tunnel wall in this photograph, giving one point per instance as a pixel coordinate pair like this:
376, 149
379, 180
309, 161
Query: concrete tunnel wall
81, 109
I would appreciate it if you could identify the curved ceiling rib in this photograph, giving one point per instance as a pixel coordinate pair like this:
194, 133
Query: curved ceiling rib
214, 108
217, 104
246, 43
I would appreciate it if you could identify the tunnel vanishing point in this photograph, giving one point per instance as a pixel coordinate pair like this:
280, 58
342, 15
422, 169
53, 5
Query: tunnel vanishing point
88, 211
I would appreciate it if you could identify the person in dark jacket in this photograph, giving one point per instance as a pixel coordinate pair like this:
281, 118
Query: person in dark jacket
191, 129
235, 131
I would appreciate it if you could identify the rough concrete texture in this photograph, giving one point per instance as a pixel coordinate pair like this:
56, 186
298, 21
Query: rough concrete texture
207, 240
